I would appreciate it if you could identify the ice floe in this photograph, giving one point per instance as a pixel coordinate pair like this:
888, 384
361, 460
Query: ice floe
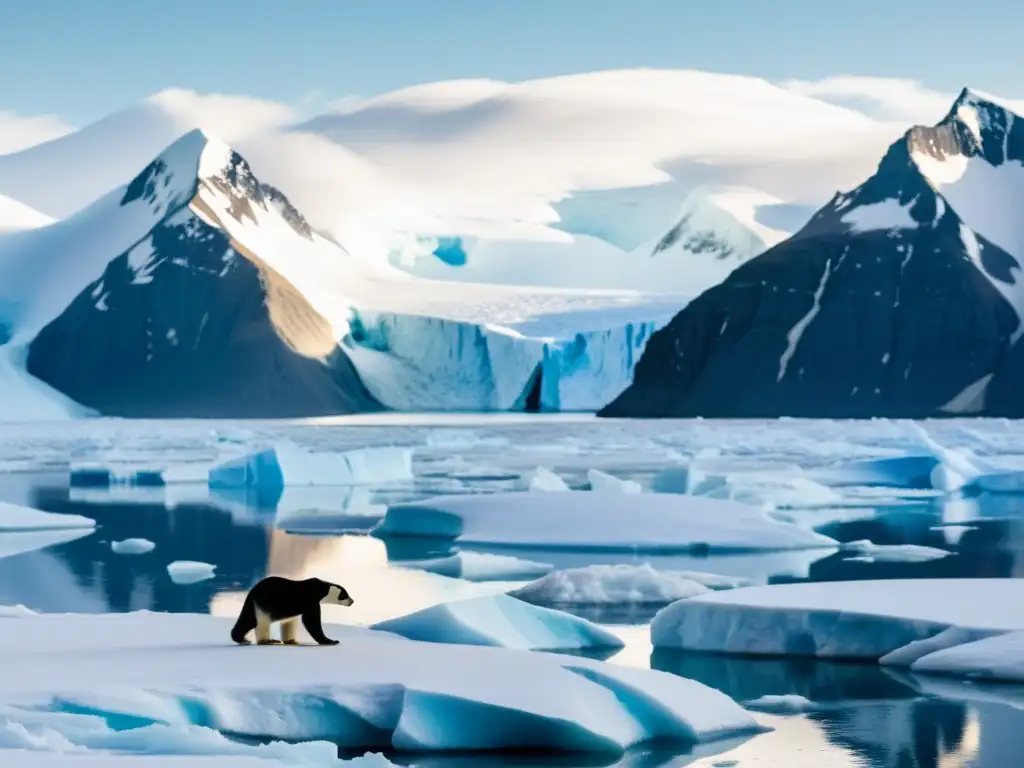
17, 519
132, 546
890, 471
190, 571
897, 622
603, 482
869, 552
619, 584
783, 704
480, 566
287, 464
501, 621
998, 657
609, 522
372, 691
541, 479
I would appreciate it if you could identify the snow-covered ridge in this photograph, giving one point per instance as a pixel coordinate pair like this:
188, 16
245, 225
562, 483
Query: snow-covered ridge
415, 343
15, 215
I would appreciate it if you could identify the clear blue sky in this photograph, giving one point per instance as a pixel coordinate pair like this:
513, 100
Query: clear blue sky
84, 58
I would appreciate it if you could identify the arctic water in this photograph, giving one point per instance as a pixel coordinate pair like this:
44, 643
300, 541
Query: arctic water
863, 715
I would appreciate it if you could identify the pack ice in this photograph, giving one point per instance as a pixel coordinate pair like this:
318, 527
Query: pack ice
598, 521
180, 670
924, 624
502, 621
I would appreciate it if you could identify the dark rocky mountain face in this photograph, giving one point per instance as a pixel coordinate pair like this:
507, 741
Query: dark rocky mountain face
188, 324
886, 304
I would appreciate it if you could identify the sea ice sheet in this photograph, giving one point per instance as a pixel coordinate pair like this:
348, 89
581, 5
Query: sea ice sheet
587, 520
180, 669
900, 620
501, 621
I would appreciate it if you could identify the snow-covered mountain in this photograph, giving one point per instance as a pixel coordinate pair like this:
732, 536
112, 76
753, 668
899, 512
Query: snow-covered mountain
900, 298
15, 215
693, 244
62, 176
188, 292
198, 290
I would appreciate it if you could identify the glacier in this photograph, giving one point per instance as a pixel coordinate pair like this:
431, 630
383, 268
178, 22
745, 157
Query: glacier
575, 359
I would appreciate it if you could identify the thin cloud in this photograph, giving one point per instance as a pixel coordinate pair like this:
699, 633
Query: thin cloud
885, 98
18, 132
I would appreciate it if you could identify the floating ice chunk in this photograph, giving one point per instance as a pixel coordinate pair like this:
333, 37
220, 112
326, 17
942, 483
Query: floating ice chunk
610, 522
947, 638
602, 482
190, 571
501, 621
769, 489
999, 657
892, 472
610, 585
542, 479
893, 553
680, 480
132, 546
787, 704
18, 519
854, 619
374, 689
286, 464
480, 566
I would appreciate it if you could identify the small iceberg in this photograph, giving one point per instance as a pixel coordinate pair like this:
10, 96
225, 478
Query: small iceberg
620, 584
480, 566
190, 571
132, 546
287, 464
602, 482
869, 552
890, 472
542, 479
501, 621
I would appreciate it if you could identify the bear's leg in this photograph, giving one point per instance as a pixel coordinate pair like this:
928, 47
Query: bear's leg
263, 629
289, 631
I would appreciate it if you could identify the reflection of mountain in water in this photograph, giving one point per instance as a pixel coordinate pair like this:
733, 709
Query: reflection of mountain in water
127, 583
911, 734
